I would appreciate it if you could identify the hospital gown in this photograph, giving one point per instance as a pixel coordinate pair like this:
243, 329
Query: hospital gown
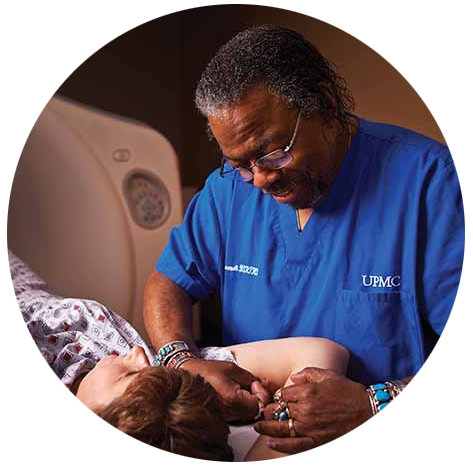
74, 334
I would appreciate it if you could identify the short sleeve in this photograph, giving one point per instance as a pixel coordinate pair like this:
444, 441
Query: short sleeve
441, 243
192, 258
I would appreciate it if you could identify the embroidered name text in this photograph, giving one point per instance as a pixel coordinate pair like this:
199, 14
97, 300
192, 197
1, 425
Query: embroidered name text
243, 268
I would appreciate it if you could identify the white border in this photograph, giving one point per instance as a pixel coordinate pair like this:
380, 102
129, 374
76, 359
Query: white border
42, 44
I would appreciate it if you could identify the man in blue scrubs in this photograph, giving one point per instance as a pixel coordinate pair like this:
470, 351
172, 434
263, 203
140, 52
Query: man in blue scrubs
318, 223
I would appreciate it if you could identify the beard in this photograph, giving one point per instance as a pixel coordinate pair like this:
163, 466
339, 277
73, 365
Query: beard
319, 189
316, 189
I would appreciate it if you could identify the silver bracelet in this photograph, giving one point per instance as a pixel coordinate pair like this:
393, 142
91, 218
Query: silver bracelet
165, 353
374, 409
396, 386
381, 394
179, 358
182, 360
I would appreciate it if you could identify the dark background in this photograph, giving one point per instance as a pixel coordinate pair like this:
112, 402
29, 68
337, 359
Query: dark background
150, 74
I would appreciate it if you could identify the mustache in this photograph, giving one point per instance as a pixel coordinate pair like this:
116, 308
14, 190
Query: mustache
281, 186
289, 179
316, 185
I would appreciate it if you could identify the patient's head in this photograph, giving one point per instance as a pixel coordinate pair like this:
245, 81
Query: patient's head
169, 409
110, 378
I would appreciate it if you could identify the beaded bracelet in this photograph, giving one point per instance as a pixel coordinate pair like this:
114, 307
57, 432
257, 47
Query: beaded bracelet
178, 359
381, 395
169, 349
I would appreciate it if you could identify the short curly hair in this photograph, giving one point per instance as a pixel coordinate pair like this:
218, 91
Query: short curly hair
172, 410
284, 62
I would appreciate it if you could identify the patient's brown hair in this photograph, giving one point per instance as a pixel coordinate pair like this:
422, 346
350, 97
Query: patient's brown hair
172, 410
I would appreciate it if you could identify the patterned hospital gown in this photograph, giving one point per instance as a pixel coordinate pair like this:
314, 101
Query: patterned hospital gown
74, 334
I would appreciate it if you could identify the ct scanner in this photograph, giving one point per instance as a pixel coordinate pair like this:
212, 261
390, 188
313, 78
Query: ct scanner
93, 201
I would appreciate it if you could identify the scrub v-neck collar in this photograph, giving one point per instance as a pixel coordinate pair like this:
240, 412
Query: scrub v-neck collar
297, 244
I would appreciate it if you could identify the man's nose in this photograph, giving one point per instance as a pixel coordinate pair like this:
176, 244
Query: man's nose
263, 178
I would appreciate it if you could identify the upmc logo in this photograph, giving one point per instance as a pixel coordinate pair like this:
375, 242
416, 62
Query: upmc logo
380, 281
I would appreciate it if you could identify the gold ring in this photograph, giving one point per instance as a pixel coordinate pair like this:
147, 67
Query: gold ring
292, 430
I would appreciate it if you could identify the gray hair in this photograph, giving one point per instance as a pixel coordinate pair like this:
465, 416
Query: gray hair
285, 63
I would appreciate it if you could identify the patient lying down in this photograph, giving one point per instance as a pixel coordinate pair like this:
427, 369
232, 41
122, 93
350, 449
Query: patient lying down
178, 412
103, 360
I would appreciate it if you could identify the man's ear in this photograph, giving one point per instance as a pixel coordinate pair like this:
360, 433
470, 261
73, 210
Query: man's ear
208, 132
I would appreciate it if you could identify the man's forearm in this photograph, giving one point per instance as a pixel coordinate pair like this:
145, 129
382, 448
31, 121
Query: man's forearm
167, 312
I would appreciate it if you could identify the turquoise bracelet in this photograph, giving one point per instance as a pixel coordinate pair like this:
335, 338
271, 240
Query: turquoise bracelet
379, 396
168, 350
382, 394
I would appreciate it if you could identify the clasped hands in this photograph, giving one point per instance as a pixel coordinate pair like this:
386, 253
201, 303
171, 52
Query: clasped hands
323, 405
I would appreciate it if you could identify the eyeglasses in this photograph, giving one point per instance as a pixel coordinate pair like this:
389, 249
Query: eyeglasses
275, 160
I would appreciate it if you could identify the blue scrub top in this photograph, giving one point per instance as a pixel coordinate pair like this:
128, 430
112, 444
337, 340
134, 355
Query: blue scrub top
375, 269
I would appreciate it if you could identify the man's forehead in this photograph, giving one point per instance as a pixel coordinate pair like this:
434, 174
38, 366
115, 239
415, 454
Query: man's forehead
247, 130
257, 100
246, 140
253, 151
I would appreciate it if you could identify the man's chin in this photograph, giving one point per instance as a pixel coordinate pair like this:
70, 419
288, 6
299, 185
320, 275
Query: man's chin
293, 198
301, 196
286, 198
308, 202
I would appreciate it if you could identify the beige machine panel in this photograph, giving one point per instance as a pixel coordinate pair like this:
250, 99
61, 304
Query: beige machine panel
93, 201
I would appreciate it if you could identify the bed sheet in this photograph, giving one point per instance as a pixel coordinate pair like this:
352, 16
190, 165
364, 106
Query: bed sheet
241, 438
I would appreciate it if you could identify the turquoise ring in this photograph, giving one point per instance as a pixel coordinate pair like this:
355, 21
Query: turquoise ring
284, 415
281, 413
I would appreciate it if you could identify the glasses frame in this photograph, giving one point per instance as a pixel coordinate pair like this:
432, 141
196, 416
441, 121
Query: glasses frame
258, 162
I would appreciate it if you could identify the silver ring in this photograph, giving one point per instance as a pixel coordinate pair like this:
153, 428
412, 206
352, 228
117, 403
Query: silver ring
281, 408
277, 396
288, 413
260, 410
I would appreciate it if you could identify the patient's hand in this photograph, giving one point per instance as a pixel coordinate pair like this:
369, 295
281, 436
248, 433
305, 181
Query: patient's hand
234, 386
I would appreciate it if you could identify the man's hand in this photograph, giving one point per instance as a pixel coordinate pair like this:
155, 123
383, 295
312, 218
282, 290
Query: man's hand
323, 406
238, 389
